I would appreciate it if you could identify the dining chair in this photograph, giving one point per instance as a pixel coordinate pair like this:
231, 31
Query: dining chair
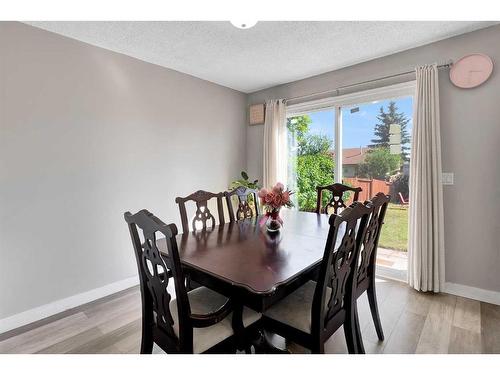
312, 313
337, 200
365, 275
244, 210
202, 214
202, 218
191, 322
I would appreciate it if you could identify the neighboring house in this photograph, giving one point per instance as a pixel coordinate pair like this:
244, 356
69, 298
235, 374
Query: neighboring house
351, 158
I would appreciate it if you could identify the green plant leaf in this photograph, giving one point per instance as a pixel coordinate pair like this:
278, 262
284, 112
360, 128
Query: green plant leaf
244, 182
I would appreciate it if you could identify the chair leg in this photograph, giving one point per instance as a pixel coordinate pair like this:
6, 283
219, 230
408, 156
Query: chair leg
147, 338
350, 336
318, 348
372, 299
360, 348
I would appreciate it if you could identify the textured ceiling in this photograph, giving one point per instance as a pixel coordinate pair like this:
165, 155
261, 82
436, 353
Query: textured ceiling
269, 54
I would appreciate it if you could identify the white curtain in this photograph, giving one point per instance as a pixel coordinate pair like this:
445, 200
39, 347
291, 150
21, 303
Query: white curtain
426, 232
275, 144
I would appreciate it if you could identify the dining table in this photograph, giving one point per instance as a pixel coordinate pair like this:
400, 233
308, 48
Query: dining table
243, 261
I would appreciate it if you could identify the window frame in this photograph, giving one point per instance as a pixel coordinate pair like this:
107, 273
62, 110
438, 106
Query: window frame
336, 103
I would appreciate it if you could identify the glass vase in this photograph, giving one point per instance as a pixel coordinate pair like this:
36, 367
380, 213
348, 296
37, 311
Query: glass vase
273, 222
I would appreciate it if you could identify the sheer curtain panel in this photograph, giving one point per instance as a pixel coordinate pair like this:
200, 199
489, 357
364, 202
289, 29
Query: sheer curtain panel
275, 144
426, 228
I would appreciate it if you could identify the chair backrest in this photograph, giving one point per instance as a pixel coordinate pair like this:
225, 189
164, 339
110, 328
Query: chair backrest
244, 210
338, 268
155, 271
337, 200
202, 214
368, 251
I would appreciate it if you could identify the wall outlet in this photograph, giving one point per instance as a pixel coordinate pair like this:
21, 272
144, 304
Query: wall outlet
447, 178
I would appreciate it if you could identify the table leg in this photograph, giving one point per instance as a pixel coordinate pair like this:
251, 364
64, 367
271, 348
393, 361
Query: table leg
242, 342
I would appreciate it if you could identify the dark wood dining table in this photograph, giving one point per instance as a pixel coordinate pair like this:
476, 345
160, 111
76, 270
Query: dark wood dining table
242, 260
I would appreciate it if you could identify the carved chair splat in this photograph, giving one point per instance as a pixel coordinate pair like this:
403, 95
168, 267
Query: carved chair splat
244, 210
202, 214
337, 201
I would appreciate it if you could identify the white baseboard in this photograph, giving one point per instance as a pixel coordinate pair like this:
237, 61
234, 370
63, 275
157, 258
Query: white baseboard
64, 304
477, 294
390, 273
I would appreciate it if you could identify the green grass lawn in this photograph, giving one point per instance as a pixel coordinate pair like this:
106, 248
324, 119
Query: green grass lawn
395, 230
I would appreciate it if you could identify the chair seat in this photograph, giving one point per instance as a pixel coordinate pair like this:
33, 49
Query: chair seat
295, 309
204, 301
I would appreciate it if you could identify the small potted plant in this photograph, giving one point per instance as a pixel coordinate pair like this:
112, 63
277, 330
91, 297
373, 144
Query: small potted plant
272, 201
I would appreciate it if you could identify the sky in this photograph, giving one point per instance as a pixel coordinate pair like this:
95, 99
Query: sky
358, 126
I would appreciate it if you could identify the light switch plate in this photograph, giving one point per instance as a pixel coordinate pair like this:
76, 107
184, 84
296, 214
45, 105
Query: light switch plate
447, 178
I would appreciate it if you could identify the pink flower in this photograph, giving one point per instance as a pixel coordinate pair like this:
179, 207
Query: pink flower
278, 188
263, 193
277, 201
269, 198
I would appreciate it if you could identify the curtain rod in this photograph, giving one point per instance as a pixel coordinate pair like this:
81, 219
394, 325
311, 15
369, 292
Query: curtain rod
447, 65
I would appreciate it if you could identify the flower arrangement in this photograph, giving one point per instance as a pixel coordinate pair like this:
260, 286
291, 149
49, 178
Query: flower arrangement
272, 201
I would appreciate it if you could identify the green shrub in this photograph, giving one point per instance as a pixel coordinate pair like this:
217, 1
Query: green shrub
313, 170
379, 163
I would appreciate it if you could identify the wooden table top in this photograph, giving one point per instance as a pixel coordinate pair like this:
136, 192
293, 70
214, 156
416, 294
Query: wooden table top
244, 254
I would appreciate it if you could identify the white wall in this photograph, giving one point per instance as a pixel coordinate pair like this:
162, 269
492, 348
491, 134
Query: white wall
470, 132
85, 135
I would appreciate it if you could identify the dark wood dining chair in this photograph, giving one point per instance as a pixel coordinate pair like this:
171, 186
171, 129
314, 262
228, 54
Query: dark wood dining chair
365, 275
312, 314
244, 210
196, 322
202, 214
337, 201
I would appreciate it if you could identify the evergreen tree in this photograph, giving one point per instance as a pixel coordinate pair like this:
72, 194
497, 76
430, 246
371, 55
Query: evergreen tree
381, 132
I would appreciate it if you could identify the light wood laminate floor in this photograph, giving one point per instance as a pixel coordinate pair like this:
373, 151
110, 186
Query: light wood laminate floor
413, 323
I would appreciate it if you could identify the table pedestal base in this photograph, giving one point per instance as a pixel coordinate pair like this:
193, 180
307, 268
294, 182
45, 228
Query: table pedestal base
263, 345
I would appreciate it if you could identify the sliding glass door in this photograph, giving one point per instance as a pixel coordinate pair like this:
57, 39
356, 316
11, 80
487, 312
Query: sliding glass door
363, 140
376, 141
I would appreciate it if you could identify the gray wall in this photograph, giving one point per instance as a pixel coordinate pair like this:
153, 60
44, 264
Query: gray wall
470, 132
85, 135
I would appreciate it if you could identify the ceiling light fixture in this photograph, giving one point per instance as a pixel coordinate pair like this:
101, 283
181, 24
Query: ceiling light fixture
243, 24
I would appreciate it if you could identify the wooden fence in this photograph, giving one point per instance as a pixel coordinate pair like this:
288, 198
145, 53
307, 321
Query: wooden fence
370, 187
